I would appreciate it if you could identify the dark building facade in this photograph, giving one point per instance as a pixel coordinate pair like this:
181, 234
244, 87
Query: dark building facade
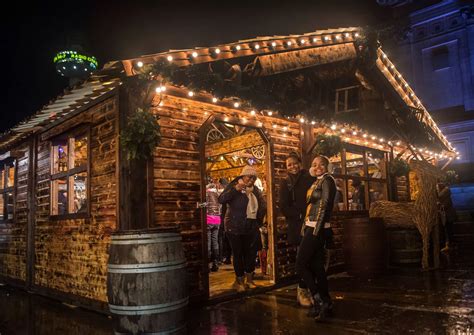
436, 55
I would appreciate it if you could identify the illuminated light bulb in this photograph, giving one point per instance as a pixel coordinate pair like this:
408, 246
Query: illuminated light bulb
315, 39
354, 133
381, 140
392, 66
238, 47
333, 127
158, 90
285, 128
161, 103
327, 38
389, 142
256, 46
236, 105
288, 43
399, 76
284, 135
366, 142
302, 41
214, 100
356, 34
194, 54
252, 112
274, 126
190, 93
226, 119
313, 122
346, 35
459, 157
163, 88
244, 120
406, 85
343, 130
364, 136
302, 120
270, 113
217, 51
346, 139
373, 137
398, 143
338, 37
260, 123
140, 64
384, 56
169, 58
357, 141
206, 113
274, 44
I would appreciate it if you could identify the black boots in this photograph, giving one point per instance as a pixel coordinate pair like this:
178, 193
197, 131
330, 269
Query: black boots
320, 310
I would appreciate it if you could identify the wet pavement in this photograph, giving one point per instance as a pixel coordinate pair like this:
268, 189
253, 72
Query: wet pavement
403, 301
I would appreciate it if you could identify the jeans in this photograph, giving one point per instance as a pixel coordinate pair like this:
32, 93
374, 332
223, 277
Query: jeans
213, 242
310, 262
244, 249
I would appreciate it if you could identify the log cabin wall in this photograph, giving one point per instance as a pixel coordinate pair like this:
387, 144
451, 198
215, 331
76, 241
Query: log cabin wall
71, 255
13, 235
177, 179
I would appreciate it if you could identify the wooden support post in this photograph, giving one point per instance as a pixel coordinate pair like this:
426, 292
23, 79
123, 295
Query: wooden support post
30, 244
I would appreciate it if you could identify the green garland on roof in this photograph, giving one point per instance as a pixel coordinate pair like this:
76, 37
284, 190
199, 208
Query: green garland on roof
398, 167
141, 135
327, 145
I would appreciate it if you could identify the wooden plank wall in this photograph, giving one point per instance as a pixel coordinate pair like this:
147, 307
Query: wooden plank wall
71, 255
177, 178
13, 235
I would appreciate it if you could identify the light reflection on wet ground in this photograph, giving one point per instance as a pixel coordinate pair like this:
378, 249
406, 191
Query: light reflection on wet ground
401, 302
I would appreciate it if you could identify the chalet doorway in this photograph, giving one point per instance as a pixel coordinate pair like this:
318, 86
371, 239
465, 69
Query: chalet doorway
228, 148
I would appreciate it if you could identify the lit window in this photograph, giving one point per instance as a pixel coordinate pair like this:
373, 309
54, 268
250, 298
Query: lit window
347, 99
69, 179
7, 185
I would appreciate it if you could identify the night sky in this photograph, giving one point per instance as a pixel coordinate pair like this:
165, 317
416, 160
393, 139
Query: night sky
111, 30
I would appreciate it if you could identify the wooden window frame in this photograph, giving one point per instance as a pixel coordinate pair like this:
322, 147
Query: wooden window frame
70, 173
10, 163
345, 91
365, 178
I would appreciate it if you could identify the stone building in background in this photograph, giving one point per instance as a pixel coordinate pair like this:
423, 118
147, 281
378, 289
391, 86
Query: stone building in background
436, 56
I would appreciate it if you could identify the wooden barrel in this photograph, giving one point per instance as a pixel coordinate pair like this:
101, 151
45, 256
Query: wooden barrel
146, 282
364, 245
405, 246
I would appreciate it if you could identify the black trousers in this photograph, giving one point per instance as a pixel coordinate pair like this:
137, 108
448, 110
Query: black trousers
310, 262
244, 249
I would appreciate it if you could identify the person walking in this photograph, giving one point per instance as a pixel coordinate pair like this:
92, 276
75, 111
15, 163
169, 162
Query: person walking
310, 260
246, 209
292, 203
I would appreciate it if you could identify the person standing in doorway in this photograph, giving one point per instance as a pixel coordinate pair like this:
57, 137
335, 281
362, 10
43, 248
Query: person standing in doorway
310, 260
213, 190
292, 203
246, 209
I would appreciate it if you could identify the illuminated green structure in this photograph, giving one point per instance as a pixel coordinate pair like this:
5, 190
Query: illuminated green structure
75, 64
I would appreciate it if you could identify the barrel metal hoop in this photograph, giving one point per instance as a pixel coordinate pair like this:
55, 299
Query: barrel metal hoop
147, 241
149, 309
146, 268
143, 236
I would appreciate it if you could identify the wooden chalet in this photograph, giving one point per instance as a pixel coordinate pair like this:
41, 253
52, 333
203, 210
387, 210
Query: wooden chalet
65, 183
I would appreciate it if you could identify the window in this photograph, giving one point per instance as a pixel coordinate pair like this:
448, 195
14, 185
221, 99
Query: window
440, 58
347, 99
69, 174
7, 185
361, 177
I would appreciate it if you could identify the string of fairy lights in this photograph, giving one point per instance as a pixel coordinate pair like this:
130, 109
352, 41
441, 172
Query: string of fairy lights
347, 133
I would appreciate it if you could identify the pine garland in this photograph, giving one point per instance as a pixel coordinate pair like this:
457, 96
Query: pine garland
327, 145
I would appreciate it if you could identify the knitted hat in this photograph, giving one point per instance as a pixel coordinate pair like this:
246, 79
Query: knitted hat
248, 171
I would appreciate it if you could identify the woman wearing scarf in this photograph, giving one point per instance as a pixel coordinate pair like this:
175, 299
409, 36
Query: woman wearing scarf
310, 259
292, 203
246, 209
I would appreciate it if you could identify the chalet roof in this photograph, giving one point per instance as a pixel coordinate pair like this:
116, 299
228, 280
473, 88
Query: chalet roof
68, 103
340, 42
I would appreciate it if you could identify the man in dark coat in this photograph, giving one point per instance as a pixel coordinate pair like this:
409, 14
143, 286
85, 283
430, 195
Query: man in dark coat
292, 203
246, 209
